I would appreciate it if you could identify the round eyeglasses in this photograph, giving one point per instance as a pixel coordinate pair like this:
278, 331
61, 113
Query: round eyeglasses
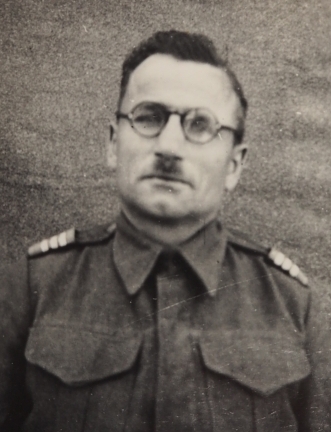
199, 125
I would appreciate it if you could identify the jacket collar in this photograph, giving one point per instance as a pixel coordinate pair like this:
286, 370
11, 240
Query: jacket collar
135, 255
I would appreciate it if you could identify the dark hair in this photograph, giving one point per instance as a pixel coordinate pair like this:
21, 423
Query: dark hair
183, 46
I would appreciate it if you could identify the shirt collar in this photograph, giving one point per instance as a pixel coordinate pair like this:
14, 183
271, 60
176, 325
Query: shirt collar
135, 255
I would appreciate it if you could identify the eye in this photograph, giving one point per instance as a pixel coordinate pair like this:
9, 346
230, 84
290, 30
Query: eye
148, 116
199, 123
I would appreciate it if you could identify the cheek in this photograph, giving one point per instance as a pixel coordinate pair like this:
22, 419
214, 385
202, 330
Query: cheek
131, 148
127, 150
132, 162
125, 165
213, 170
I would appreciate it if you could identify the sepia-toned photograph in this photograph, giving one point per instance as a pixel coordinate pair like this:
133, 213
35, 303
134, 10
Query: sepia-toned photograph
165, 216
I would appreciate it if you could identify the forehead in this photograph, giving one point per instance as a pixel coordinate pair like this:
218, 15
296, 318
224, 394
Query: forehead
182, 84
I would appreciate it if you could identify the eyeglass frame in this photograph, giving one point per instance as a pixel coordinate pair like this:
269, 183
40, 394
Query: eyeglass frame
182, 115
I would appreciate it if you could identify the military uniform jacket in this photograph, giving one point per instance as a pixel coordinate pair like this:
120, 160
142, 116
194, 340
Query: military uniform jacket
106, 331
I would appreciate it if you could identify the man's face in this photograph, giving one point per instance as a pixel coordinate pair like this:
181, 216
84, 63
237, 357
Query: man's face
169, 177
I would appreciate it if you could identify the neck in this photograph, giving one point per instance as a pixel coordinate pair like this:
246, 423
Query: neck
166, 231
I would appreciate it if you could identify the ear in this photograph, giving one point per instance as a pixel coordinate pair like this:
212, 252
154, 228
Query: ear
111, 147
235, 166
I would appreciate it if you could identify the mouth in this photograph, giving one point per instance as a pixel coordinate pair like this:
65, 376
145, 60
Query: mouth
166, 177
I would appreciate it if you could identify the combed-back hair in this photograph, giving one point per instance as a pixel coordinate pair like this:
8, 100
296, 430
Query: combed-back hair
183, 46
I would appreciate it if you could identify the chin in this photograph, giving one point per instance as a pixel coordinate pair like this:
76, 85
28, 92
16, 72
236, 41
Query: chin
166, 212
162, 210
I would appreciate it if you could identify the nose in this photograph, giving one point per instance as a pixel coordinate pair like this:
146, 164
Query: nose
171, 140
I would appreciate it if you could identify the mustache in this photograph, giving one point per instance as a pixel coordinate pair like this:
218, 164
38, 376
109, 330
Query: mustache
167, 164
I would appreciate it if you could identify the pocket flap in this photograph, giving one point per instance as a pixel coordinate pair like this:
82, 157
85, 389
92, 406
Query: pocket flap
78, 356
262, 361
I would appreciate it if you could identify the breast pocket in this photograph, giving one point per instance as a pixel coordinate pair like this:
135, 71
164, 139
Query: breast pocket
78, 376
248, 375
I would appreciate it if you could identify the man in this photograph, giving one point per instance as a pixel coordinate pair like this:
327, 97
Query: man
166, 321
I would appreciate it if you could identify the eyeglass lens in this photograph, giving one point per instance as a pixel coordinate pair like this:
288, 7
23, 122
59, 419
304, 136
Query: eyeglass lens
199, 125
149, 119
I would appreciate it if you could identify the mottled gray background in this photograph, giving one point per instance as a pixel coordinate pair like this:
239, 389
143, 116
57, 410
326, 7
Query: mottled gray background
60, 67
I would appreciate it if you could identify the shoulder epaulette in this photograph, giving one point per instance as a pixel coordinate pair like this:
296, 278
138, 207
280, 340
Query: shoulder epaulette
95, 234
282, 261
278, 258
70, 237
242, 240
